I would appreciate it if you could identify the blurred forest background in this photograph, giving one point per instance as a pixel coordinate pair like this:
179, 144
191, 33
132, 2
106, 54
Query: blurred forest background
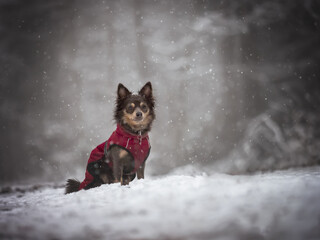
237, 83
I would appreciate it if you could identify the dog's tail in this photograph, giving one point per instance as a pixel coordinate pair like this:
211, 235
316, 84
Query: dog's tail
72, 186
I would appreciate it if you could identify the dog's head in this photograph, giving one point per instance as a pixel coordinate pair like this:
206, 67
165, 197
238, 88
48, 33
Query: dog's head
135, 112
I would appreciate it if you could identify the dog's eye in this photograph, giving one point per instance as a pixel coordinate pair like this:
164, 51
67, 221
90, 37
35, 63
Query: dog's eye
130, 109
144, 107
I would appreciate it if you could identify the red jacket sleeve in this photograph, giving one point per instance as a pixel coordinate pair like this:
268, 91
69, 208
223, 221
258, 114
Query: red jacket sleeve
96, 154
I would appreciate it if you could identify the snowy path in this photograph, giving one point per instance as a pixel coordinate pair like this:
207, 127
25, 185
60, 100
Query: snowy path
279, 205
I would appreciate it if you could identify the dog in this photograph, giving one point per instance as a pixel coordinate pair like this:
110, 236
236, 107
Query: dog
124, 154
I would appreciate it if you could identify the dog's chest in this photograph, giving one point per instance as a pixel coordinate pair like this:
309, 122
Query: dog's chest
139, 147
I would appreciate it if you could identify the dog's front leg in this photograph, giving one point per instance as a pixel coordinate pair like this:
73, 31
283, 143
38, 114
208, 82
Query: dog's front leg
140, 171
117, 170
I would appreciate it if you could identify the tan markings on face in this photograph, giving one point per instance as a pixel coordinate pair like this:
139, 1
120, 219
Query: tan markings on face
137, 125
123, 153
144, 107
130, 108
132, 116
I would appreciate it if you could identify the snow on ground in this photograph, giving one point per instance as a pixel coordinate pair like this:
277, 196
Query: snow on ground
278, 205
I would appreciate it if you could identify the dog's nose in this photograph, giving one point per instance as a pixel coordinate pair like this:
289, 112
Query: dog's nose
139, 114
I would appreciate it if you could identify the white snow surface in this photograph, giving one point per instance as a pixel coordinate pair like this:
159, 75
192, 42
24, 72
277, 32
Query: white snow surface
279, 205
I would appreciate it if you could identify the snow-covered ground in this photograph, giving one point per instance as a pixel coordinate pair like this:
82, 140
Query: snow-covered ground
279, 205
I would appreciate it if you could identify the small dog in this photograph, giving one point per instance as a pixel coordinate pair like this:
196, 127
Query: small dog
124, 154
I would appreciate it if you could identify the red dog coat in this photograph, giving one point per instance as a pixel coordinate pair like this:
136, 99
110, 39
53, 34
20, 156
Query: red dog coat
138, 146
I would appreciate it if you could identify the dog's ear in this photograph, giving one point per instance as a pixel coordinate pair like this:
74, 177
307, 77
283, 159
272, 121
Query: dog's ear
123, 92
146, 91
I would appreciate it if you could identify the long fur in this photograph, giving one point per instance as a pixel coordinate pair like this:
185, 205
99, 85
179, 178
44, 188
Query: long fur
72, 185
124, 96
128, 121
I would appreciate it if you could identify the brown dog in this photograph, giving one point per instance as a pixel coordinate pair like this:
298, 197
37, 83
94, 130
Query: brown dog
124, 154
